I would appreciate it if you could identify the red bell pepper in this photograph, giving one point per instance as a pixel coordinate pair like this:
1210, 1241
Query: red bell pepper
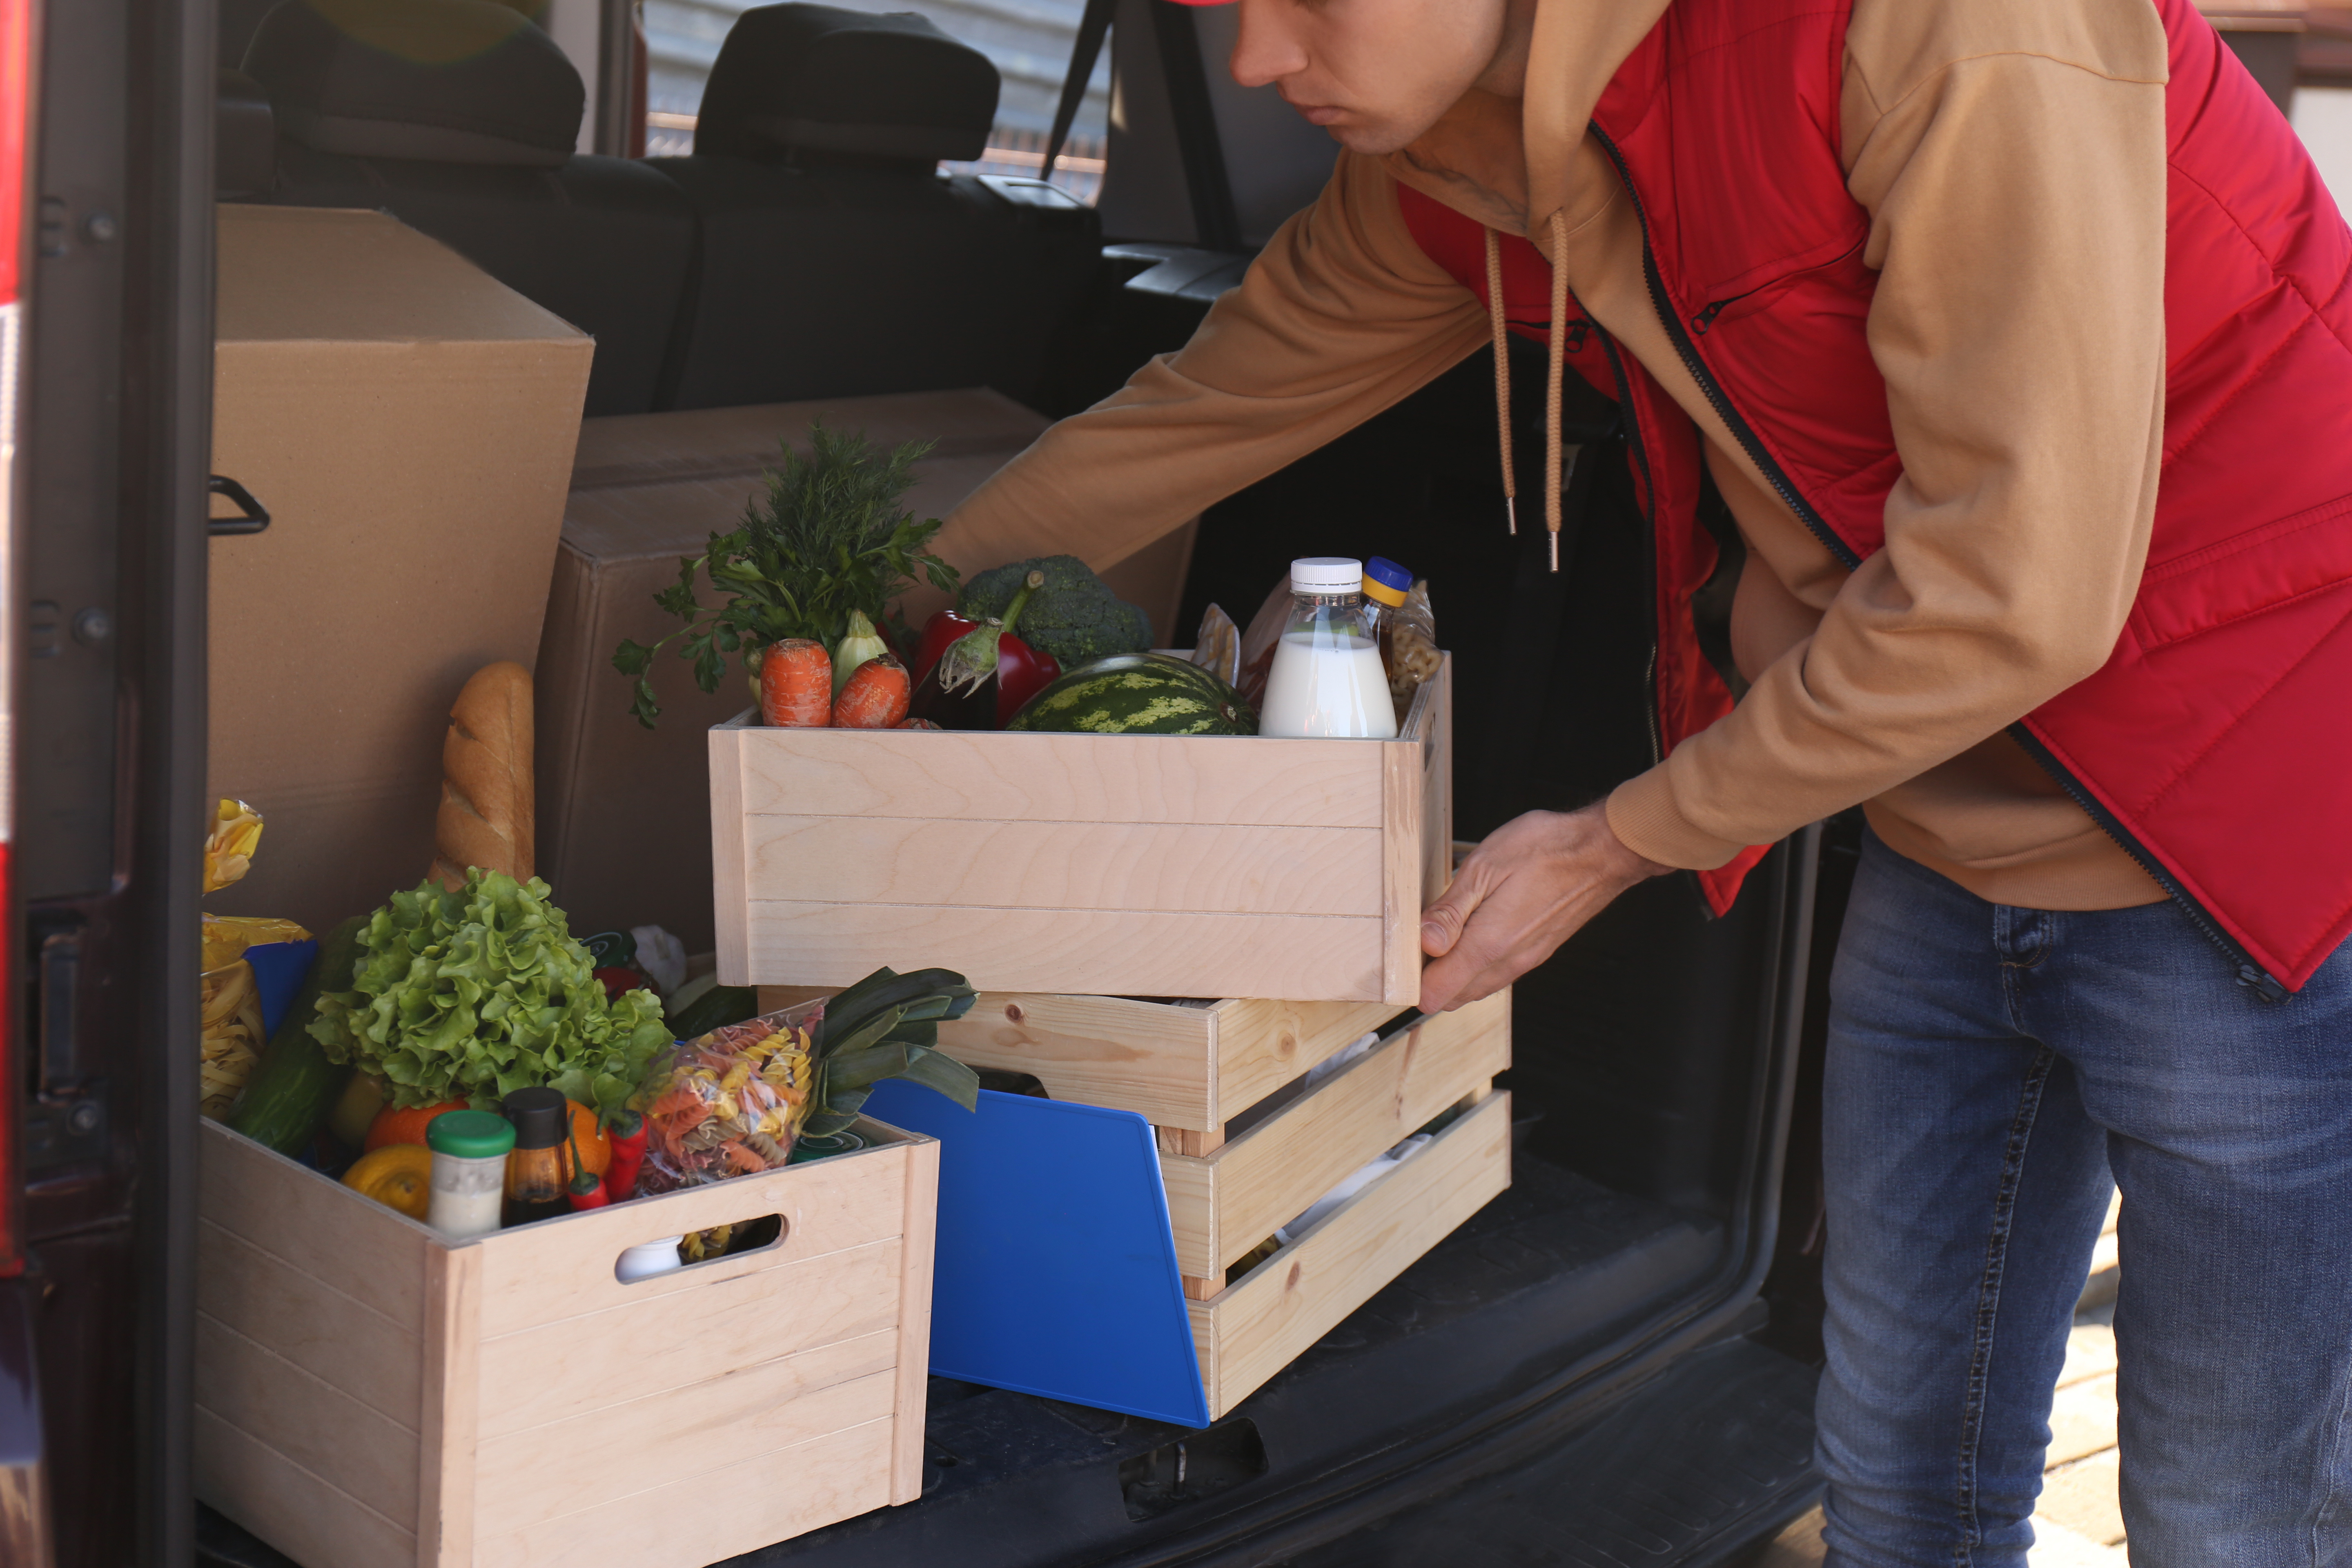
1022, 671
627, 1136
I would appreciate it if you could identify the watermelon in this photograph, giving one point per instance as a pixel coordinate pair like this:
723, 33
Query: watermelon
1138, 694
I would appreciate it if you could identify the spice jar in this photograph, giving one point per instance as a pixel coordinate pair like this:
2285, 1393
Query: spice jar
535, 1186
469, 1172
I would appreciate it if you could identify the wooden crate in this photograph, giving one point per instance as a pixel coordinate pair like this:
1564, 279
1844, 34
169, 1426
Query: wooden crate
1189, 1066
1102, 865
1227, 1200
369, 1394
1268, 1318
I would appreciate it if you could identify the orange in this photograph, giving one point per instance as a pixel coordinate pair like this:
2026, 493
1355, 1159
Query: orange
395, 1126
398, 1175
596, 1147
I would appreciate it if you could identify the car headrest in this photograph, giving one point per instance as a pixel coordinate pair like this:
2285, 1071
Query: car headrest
446, 81
800, 78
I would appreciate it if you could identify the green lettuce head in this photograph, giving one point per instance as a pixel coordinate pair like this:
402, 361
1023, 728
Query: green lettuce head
472, 993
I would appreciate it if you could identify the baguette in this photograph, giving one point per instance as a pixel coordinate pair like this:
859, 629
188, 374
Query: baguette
488, 817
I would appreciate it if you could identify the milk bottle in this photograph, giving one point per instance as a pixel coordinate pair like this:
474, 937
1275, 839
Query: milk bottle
1327, 679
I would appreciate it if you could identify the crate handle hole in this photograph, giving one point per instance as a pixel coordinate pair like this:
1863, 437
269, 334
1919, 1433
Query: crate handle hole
739, 1239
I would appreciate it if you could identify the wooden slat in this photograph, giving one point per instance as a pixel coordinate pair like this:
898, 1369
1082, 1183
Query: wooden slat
1437, 789
1190, 1068
531, 1477
1225, 1204
360, 1452
288, 1505
910, 1388
1185, 1141
1257, 1326
768, 1497
730, 891
343, 1342
1149, 1057
448, 1490
1103, 951
1400, 862
1263, 1045
998, 777
560, 1269
579, 1364
361, 1249
1068, 865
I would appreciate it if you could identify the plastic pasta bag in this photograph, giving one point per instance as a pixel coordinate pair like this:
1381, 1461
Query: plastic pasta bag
730, 1102
1409, 646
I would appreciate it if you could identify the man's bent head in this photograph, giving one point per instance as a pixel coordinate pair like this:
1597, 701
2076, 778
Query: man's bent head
1377, 74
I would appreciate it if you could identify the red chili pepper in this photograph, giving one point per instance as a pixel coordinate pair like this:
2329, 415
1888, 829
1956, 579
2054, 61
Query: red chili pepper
584, 1189
628, 1153
1022, 671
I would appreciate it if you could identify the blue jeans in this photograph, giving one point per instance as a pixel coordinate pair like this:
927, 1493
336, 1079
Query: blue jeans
1987, 1068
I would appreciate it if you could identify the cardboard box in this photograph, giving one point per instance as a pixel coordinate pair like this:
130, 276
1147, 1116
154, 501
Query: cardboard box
409, 423
624, 811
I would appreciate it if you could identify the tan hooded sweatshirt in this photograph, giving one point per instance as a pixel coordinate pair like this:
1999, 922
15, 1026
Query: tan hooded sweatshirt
2011, 156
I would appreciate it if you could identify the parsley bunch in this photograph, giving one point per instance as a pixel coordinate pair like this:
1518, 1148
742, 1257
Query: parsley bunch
830, 536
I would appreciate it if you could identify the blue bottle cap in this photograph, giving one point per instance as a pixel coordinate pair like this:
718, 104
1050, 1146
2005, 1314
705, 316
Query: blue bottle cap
1383, 570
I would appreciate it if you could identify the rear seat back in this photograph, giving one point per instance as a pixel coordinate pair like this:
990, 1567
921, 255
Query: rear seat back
459, 117
835, 260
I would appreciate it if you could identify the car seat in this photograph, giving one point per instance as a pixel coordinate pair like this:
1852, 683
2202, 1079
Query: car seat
460, 117
836, 260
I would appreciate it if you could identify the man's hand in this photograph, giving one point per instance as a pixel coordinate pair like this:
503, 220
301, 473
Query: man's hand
1528, 888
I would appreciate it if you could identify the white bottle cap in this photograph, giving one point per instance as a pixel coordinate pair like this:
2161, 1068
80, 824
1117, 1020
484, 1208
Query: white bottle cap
1326, 575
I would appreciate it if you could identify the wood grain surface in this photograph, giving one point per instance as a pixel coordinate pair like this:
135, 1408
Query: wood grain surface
1225, 1202
1267, 1319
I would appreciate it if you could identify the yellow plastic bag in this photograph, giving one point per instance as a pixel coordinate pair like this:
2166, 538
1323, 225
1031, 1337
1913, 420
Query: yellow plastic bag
231, 1034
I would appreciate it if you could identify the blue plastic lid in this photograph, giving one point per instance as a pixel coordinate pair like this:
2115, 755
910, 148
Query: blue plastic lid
1383, 570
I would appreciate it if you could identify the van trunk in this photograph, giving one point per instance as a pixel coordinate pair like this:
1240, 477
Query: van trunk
1597, 1327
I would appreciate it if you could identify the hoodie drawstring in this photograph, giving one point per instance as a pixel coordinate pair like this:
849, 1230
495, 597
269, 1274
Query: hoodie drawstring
1502, 375
1556, 369
1555, 374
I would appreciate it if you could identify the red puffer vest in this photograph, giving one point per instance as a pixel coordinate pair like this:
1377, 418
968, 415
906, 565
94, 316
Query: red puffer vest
2216, 743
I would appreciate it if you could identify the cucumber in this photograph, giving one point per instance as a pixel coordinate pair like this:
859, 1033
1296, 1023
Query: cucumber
706, 1008
1138, 694
294, 1085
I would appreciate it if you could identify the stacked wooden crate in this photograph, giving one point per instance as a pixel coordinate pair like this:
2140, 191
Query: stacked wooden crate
1075, 876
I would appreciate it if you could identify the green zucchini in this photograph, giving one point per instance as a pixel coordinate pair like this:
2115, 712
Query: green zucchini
294, 1085
704, 1004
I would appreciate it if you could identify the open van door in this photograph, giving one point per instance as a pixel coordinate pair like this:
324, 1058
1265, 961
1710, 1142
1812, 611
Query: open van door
106, 219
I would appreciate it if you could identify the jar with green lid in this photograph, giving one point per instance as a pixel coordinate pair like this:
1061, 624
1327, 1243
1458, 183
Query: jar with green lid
469, 1172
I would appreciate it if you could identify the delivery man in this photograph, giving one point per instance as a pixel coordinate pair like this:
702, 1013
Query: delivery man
2018, 336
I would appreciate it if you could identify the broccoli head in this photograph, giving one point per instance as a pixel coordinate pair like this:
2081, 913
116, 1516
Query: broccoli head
1075, 616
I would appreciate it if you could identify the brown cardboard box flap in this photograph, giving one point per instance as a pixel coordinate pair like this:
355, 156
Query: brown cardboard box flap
409, 422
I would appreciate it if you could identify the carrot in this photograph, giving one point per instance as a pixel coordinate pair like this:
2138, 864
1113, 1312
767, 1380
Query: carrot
874, 697
796, 685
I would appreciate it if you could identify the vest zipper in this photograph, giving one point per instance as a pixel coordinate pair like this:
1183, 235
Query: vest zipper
1577, 332
1640, 454
2251, 974
1705, 319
